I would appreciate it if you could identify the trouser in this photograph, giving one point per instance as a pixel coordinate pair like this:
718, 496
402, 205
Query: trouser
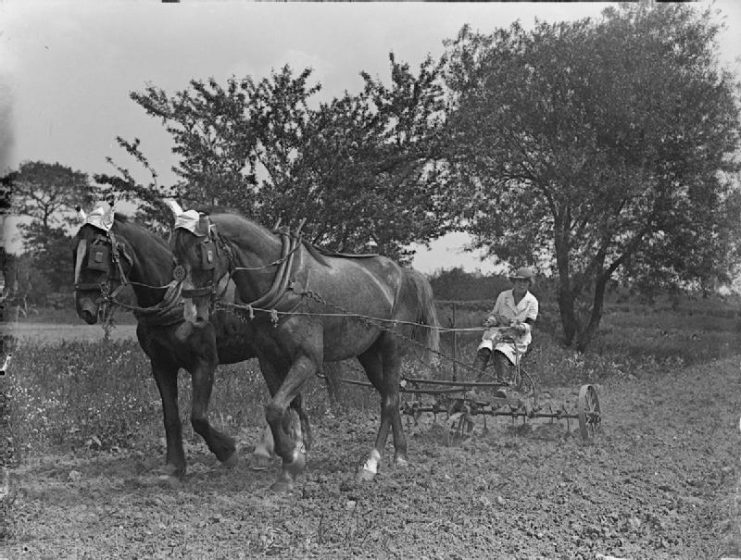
502, 365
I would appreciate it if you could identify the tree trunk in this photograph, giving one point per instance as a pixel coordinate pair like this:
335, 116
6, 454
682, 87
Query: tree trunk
566, 296
569, 321
587, 335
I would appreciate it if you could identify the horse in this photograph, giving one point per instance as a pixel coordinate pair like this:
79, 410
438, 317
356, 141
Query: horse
308, 307
106, 260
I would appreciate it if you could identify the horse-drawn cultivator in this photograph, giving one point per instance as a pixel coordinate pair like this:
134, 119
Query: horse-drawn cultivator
461, 402
517, 398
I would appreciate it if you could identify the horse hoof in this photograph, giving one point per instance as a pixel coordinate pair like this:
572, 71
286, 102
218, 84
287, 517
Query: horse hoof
364, 475
170, 481
170, 471
401, 462
282, 487
260, 462
231, 461
297, 466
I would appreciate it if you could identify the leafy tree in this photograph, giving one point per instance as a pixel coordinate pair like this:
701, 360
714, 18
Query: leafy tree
6, 192
49, 250
360, 170
48, 194
599, 149
458, 285
375, 163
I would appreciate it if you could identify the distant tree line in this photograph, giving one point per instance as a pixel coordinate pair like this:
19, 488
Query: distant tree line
600, 150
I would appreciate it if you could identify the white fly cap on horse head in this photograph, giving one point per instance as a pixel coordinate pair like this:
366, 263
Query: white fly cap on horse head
101, 216
190, 220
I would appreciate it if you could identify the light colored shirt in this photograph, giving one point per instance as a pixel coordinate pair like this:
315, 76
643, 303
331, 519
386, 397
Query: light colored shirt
506, 308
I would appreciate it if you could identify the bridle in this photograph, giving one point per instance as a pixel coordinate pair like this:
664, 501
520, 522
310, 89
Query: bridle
103, 255
213, 243
208, 249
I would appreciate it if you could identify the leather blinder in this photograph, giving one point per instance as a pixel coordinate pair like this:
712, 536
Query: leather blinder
98, 258
208, 255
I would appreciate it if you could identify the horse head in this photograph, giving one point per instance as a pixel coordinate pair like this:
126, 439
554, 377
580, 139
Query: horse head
202, 261
101, 263
111, 252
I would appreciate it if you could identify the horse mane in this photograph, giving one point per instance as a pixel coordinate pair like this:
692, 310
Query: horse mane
209, 210
321, 253
317, 252
140, 229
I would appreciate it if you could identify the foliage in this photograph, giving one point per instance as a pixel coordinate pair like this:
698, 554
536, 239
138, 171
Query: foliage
48, 252
456, 284
6, 192
148, 198
362, 170
599, 149
49, 192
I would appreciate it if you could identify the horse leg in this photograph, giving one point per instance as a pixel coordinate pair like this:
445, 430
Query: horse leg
221, 445
297, 405
285, 423
382, 363
265, 448
166, 377
391, 399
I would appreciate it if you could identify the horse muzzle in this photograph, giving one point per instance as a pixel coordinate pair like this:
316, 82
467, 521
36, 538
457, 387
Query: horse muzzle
197, 310
87, 310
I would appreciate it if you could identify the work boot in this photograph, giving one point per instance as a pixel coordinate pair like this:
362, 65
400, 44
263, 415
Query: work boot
501, 369
479, 364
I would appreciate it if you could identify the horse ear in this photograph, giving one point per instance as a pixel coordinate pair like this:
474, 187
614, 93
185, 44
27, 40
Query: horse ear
204, 224
81, 213
174, 207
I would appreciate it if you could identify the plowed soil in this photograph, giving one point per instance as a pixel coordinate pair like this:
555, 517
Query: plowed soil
660, 481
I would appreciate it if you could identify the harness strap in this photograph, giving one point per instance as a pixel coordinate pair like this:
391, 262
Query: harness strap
117, 261
280, 281
290, 246
166, 312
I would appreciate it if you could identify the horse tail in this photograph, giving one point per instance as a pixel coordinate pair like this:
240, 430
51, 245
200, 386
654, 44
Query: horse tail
427, 330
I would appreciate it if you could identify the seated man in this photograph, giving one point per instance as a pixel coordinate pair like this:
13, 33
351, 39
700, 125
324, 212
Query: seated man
516, 308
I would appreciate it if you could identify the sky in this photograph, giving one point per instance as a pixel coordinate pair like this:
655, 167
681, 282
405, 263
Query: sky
67, 68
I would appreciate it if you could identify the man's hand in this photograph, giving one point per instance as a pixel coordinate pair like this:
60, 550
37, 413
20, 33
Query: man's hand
491, 321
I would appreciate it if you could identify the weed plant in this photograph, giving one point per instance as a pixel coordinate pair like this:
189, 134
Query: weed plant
83, 396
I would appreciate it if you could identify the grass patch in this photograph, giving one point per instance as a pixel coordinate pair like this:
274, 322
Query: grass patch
84, 396
69, 317
632, 341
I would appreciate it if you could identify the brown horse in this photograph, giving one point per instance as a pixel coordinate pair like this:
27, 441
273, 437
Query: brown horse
128, 253
308, 308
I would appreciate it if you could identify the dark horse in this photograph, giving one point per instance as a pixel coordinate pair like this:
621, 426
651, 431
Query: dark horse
308, 308
130, 254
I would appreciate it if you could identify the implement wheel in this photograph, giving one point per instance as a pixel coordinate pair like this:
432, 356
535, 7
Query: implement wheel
589, 414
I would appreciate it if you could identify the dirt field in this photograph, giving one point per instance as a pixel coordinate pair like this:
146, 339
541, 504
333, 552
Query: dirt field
659, 483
